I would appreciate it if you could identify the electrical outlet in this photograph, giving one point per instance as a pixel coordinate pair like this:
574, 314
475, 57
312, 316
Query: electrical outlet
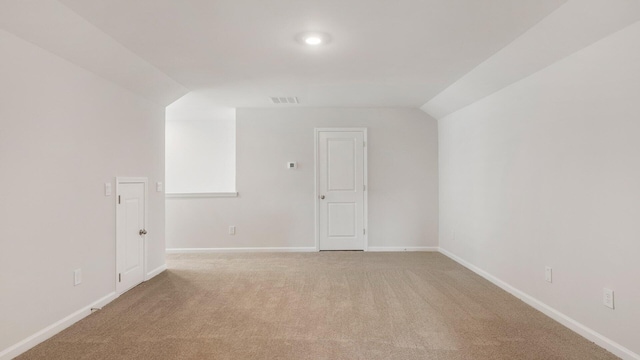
607, 298
77, 277
232, 230
548, 274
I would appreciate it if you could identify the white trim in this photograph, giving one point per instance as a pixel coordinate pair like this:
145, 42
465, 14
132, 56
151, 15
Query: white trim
365, 174
556, 315
403, 248
365, 220
131, 180
145, 242
202, 195
155, 272
316, 183
49, 331
232, 250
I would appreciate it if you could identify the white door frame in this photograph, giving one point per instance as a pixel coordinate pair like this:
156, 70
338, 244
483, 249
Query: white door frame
317, 181
133, 180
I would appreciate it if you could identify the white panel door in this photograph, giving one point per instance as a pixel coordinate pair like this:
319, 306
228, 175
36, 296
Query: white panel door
341, 189
130, 235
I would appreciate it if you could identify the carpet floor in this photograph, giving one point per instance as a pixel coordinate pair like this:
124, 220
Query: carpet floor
328, 305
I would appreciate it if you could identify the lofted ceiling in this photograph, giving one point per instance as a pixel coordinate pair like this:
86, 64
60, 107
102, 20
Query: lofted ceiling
239, 53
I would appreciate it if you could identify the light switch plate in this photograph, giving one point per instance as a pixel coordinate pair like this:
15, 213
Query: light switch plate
548, 274
77, 277
107, 189
607, 298
159, 187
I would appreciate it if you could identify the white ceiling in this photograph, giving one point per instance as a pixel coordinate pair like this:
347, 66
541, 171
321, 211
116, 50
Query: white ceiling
238, 53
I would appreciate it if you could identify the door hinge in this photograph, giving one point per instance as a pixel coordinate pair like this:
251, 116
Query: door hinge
118, 199
364, 187
364, 144
120, 277
364, 231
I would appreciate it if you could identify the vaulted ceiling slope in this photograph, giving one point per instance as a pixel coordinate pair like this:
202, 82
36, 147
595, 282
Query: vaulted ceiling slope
238, 53
54, 27
575, 25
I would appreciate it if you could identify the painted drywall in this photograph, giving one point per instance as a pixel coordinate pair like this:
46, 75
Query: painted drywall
545, 173
275, 207
200, 147
54, 27
64, 133
576, 24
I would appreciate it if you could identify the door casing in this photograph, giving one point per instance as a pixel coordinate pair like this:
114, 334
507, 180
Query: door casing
365, 215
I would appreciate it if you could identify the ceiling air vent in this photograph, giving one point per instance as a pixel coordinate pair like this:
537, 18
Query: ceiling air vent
284, 100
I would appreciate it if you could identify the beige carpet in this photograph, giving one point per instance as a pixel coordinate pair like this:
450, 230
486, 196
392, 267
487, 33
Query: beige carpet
330, 305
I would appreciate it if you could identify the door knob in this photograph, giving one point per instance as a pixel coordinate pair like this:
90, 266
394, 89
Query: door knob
322, 197
143, 232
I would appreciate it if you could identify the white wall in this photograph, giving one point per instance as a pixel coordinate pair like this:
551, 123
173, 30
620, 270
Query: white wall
275, 207
200, 148
64, 132
546, 172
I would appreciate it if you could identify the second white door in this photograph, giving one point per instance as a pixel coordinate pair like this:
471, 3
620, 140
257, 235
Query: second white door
130, 234
341, 171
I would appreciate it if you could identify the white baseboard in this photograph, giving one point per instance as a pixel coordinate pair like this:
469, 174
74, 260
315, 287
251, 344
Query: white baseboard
248, 249
153, 273
49, 331
292, 249
556, 315
402, 248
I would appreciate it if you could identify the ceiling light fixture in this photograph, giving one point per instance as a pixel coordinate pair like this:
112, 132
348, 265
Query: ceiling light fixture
313, 38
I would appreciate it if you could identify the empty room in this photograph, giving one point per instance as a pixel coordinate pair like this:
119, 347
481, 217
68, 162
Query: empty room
306, 179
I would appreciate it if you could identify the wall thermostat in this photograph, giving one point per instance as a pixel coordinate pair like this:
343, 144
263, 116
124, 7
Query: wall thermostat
292, 165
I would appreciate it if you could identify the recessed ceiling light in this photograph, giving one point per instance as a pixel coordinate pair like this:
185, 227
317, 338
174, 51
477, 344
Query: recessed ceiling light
313, 38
